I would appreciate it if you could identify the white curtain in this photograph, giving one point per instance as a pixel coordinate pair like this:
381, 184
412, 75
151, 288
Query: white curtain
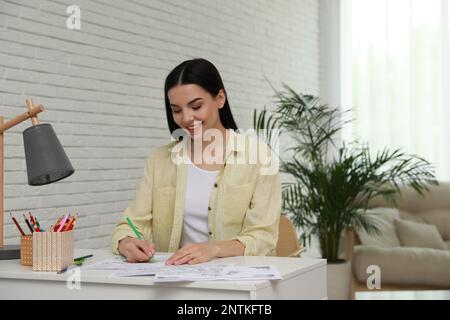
395, 74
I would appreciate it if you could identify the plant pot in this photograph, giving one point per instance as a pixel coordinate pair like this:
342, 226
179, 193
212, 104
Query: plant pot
338, 280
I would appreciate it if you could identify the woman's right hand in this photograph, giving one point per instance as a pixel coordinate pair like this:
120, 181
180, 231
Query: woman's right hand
136, 250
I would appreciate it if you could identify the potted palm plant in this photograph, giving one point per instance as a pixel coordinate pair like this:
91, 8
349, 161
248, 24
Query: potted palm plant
330, 186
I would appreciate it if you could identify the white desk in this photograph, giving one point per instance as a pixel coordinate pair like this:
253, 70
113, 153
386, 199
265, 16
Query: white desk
403, 295
303, 278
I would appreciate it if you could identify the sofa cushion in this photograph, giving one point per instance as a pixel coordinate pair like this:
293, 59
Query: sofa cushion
409, 200
421, 235
384, 219
439, 217
403, 265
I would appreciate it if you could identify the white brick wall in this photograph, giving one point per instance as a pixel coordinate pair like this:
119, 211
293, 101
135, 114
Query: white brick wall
102, 86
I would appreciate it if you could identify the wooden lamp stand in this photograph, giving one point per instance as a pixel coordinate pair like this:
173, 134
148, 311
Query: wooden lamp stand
12, 252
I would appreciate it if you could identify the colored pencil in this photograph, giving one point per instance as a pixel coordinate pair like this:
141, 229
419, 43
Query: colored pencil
133, 227
31, 218
74, 223
28, 224
68, 224
17, 224
83, 257
56, 225
63, 222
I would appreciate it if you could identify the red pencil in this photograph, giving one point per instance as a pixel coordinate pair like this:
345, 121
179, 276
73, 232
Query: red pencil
17, 224
31, 218
56, 225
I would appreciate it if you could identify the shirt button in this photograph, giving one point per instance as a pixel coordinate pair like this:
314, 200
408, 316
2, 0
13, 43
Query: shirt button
215, 185
209, 208
210, 233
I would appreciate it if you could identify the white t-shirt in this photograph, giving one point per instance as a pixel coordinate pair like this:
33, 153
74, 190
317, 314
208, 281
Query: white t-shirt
198, 190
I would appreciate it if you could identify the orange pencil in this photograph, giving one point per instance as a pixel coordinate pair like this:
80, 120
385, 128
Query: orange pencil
71, 223
68, 224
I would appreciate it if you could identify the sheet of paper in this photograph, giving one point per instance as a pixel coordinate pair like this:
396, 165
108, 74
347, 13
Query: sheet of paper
119, 263
205, 272
140, 269
200, 272
196, 272
209, 271
115, 263
219, 273
258, 272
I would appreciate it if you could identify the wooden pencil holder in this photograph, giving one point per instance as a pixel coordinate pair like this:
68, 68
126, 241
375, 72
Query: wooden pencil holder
26, 250
52, 251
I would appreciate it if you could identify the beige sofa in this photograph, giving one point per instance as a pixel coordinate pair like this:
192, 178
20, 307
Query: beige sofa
414, 249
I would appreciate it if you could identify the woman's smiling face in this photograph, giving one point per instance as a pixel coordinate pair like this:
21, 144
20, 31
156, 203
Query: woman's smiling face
195, 109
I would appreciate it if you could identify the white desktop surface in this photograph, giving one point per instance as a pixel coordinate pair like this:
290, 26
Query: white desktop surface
303, 278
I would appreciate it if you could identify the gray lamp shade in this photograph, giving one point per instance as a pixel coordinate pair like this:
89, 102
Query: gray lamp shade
46, 160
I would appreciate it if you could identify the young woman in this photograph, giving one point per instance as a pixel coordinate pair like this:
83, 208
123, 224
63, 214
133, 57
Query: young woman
200, 197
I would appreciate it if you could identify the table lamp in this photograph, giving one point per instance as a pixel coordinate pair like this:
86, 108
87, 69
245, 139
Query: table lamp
45, 157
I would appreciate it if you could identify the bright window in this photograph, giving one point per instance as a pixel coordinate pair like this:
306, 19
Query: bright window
395, 75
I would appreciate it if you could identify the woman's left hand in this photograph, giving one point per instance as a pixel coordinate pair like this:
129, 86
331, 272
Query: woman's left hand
194, 253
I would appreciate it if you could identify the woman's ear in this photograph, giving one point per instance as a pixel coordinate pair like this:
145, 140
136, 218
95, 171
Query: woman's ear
221, 98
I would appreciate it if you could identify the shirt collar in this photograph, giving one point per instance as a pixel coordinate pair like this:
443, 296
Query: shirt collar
235, 146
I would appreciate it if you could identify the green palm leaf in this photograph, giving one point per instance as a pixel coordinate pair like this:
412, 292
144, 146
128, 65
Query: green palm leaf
327, 196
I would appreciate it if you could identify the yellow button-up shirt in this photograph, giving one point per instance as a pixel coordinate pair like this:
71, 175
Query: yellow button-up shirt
244, 204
